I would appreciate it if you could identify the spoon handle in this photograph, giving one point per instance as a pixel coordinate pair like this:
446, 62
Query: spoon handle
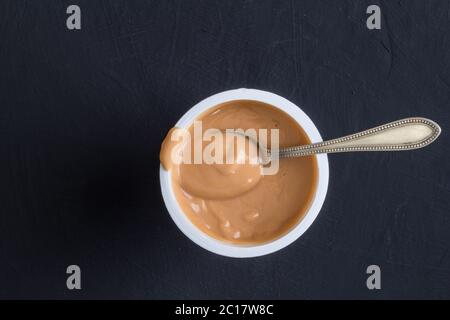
405, 134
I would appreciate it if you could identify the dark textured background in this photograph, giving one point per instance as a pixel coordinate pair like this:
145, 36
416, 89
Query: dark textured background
82, 115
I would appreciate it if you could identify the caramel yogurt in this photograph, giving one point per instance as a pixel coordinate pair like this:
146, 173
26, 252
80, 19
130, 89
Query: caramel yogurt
235, 202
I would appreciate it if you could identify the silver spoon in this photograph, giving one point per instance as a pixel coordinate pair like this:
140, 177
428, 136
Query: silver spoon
400, 135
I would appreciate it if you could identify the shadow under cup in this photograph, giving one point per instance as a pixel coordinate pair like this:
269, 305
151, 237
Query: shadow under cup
231, 249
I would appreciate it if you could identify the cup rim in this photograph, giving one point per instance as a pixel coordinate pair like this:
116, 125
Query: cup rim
246, 251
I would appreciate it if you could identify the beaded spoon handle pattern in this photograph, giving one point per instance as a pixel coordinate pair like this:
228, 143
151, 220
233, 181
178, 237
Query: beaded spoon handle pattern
405, 134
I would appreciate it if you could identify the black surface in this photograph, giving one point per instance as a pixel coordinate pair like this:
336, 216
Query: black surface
82, 115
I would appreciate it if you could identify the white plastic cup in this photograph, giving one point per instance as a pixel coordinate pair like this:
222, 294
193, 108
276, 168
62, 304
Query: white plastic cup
237, 250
